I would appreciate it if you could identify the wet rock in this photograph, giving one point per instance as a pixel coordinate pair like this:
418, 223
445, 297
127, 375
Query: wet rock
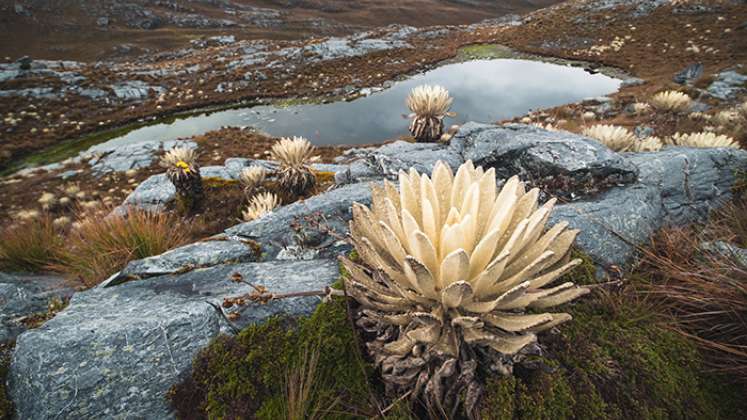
185, 258
323, 217
22, 295
727, 85
115, 352
689, 74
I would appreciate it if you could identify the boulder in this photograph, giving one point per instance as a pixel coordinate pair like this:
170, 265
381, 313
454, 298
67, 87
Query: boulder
676, 186
318, 223
22, 295
562, 163
115, 352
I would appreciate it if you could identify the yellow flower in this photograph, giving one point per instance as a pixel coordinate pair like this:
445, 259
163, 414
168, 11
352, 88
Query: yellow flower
183, 166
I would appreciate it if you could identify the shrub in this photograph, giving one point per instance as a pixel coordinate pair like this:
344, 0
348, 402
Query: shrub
703, 139
294, 156
451, 268
30, 245
672, 101
616, 138
101, 245
649, 144
429, 106
183, 171
259, 205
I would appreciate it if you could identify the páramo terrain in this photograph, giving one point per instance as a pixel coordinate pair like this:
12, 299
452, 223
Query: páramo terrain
204, 213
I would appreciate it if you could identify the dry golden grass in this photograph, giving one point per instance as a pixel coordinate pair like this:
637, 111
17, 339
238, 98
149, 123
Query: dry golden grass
702, 295
300, 385
100, 246
30, 246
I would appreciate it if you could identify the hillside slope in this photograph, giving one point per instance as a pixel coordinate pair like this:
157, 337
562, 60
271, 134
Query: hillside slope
98, 29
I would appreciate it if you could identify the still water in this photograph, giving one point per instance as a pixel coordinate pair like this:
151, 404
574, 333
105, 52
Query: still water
483, 90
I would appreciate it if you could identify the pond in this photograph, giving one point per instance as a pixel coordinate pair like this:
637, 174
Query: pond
483, 90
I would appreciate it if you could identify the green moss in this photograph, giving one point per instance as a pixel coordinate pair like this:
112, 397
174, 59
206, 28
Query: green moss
244, 376
215, 182
611, 363
484, 51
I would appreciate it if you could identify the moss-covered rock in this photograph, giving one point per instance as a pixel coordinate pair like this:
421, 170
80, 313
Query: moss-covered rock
611, 362
244, 376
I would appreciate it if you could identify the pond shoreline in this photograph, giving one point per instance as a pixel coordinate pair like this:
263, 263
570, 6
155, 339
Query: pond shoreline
72, 147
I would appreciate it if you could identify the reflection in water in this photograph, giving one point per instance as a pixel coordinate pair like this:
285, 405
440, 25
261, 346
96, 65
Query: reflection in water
483, 90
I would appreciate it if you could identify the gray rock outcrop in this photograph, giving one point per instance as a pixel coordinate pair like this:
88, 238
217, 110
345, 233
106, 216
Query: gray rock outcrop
116, 350
22, 295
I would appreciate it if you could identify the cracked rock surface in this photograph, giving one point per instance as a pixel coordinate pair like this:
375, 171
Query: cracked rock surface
115, 352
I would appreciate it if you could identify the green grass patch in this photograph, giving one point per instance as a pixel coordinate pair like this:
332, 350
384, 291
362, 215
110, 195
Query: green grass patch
484, 51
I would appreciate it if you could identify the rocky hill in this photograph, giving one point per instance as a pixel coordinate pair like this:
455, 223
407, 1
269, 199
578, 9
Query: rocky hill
91, 30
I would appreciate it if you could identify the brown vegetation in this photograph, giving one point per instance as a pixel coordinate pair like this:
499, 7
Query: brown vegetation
101, 245
701, 294
30, 245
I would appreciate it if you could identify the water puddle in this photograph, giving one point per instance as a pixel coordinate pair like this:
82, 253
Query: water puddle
483, 90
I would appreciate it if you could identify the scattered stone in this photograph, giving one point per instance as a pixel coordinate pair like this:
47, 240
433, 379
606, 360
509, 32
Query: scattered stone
727, 85
689, 74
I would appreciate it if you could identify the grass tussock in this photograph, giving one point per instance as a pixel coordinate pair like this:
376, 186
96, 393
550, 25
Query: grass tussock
101, 245
301, 384
703, 295
30, 245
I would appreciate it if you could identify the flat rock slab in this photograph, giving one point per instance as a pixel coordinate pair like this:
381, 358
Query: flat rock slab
115, 352
24, 294
189, 257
